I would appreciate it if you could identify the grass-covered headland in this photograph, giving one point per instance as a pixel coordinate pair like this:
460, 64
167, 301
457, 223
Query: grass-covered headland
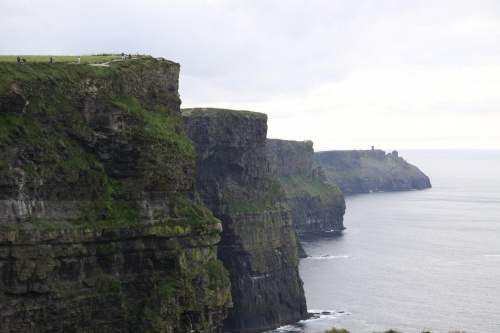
88, 58
52, 136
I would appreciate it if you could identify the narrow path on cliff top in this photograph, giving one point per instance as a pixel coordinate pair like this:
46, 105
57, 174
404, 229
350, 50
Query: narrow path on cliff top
110, 61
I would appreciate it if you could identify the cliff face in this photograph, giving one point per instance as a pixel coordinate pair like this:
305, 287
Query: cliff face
258, 244
128, 280
363, 171
101, 228
316, 203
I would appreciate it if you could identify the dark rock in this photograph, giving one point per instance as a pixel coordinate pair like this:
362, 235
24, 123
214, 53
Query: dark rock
258, 244
302, 252
110, 281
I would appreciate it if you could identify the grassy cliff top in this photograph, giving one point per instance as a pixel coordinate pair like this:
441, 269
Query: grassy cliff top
349, 150
221, 112
61, 58
69, 71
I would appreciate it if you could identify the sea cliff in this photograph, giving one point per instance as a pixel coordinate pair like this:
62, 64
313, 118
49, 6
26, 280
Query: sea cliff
101, 228
258, 244
316, 203
363, 171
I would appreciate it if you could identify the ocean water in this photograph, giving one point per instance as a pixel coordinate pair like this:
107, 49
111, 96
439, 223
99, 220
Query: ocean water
413, 261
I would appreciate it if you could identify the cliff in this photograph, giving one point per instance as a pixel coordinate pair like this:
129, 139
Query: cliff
363, 171
101, 228
316, 203
258, 244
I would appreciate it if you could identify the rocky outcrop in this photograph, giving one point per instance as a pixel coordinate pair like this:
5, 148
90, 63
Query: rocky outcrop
128, 280
316, 203
363, 171
258, 244
101, 228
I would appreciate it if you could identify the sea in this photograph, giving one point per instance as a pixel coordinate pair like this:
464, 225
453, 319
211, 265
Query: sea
413, 261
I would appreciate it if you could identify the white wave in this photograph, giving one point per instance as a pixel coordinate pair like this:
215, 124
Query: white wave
319, 311
284, 328
330, 256
315, 315
326, 313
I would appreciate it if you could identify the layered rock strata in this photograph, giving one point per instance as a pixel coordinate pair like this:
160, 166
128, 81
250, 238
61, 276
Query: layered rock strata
101, 228
153, 278
316, 203
258, 244
363, 171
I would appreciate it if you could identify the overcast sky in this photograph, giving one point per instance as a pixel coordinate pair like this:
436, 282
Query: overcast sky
346, 74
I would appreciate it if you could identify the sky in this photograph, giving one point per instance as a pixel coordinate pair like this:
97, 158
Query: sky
346, 74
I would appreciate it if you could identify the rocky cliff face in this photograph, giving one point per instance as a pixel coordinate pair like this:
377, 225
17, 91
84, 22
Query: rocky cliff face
316, 203
101, 228
258, 244
363, 171
127, 280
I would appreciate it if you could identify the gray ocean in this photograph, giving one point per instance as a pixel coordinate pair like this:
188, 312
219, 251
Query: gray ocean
413, 261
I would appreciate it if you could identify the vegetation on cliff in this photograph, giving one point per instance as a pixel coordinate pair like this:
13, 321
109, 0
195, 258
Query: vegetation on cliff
101, 228
258, 243
363, 171
316, 203
94, 58
43, 118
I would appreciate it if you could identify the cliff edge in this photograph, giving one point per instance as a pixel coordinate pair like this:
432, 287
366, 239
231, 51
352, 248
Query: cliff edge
258, 244
316, 203
101, 228
363, 171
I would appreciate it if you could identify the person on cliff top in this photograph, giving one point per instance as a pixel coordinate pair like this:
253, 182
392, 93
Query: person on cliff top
19, 60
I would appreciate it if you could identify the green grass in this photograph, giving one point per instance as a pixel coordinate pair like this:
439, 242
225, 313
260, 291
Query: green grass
337, 330
110, 209
51, 127
296, 184
62, 58
9, 127
184, 214
266, 203
43, 74
158, 307
224, 112
217, 274
107, 285
46, 225
37, 77
155, 122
